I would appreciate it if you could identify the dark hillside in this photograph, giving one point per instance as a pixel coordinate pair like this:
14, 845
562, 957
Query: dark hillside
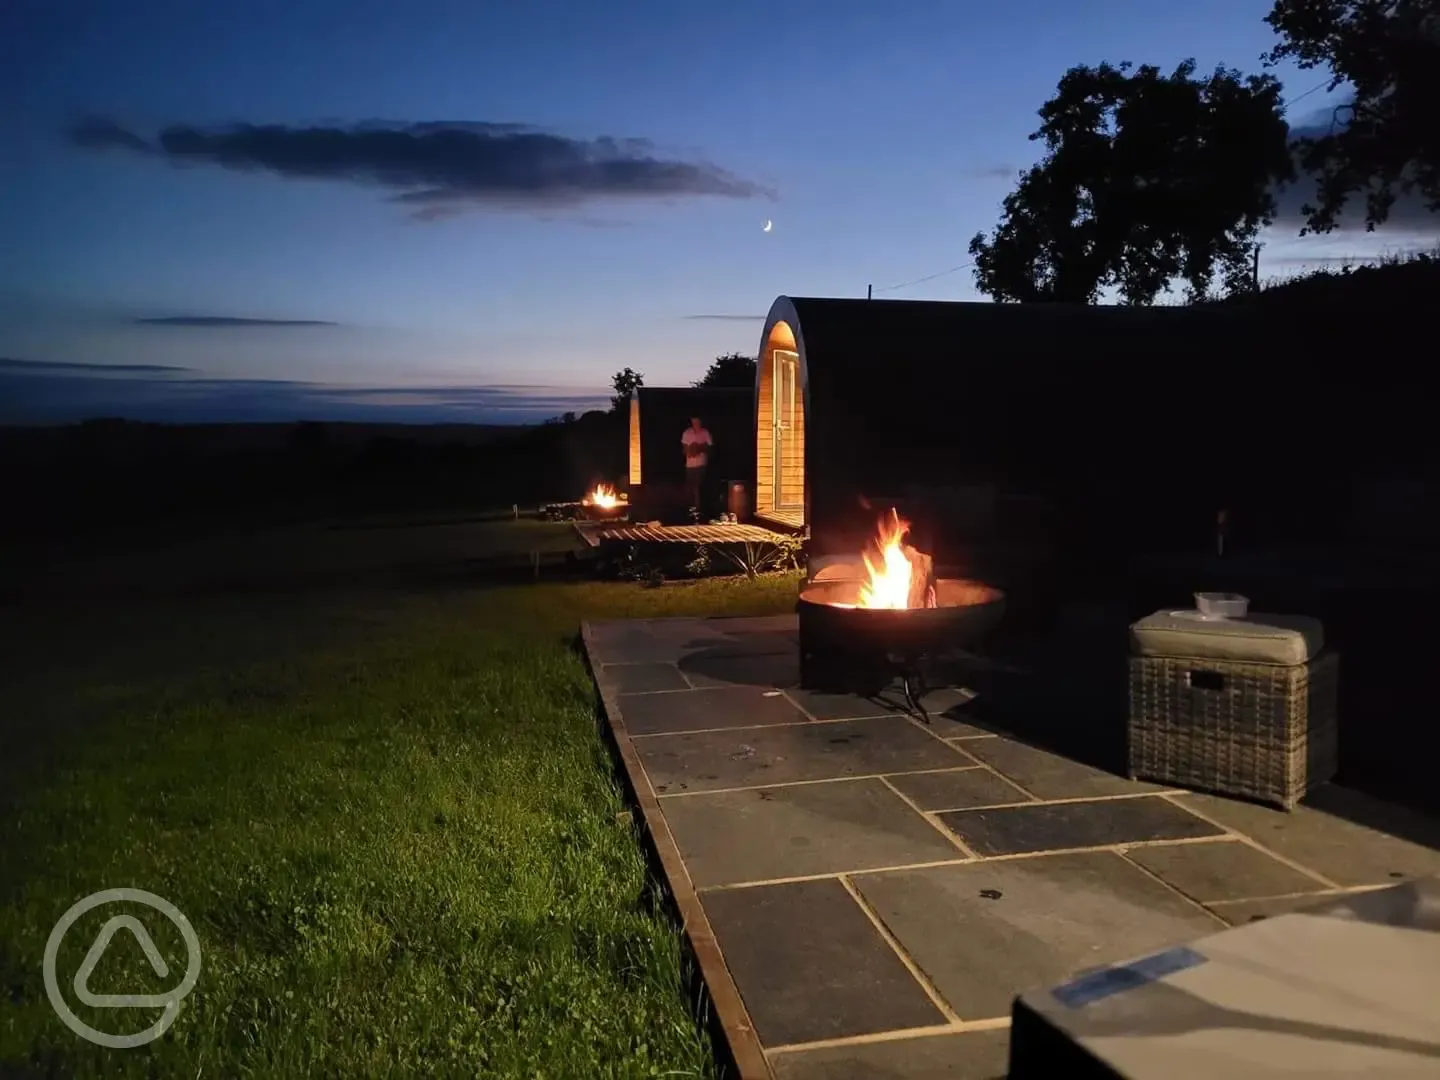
1404, 283
107, 475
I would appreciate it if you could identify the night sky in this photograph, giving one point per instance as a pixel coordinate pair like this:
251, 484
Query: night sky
479, 211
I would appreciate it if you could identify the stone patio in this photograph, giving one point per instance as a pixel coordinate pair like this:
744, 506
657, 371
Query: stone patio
867, 893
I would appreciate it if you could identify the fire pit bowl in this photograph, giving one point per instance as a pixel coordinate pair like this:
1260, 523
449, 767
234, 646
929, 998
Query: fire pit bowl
604, 503
846, 649
594, 512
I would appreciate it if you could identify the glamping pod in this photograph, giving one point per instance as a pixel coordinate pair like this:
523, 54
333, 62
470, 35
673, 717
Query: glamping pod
659, 415
960, 414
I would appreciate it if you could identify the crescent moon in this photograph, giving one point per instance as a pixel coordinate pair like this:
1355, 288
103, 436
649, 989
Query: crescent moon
767, 226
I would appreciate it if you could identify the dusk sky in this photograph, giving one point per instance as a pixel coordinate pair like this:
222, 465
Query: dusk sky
510, 201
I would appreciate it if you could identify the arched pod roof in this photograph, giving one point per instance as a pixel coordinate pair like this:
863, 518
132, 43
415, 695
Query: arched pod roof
1118, 409
934, 376
905, 396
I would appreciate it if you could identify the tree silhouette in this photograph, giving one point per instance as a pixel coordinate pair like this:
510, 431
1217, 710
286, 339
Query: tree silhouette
625, 383
1147, 178
1386, 140
735, 370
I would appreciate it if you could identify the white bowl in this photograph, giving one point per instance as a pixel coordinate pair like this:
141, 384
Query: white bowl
1222, 605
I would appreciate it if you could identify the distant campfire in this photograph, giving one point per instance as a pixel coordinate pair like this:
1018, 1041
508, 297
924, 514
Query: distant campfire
604, 502
859, 634
604, 496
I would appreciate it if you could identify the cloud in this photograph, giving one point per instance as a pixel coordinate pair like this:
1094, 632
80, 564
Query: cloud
995, 172
98, 133
222, 321
727, 318
34, 394
436, 168
585, 221
10, 364
1408, 215
1339, 260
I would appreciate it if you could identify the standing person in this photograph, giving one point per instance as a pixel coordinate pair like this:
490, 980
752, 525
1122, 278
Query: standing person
696, 442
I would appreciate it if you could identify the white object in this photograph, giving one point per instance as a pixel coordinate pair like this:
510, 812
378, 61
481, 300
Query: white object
1222, 605
767, 226
1345, 990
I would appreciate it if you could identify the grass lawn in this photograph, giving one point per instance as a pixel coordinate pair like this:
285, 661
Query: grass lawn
319, 555
387, 814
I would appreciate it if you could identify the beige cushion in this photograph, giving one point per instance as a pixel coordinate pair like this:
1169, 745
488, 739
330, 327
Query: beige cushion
1289, 640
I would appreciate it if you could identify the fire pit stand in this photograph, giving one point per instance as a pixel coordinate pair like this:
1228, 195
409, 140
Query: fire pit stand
847, 649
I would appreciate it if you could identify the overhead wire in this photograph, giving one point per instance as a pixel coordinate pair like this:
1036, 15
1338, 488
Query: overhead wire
927, 277
1314, 89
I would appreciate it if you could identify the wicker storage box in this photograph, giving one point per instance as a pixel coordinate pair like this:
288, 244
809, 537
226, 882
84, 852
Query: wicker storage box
1245, 708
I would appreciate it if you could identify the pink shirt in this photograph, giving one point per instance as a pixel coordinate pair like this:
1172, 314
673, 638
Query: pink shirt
693, 437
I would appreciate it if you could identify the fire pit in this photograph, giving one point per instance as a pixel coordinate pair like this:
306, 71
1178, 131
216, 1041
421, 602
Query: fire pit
604, 504
859, 634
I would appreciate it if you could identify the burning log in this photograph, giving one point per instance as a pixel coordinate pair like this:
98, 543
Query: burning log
898, 576
921, 593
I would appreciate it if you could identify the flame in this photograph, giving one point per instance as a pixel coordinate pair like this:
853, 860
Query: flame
887, 583
603, 496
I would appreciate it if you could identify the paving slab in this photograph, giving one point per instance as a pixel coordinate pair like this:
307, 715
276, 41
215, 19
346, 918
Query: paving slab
800, 829
811, 965
770, 670
1383, 904
984, 932
945, 705
747, 626
644, 678
1344, 851
1058, 826
957, 789
647, 642
1225, 870
1240, 912
970, 1055
734, 637
700, 710
760, 757
670, 640
758, 780
1050, 776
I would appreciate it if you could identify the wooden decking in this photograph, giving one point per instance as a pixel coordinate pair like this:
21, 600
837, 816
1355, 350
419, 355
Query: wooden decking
597, 533
789, 519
